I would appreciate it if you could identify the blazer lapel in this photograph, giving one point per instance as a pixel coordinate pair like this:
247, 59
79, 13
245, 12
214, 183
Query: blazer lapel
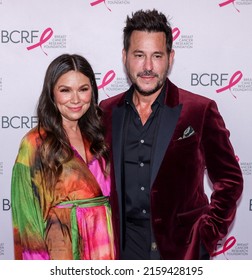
167, 123
118, 116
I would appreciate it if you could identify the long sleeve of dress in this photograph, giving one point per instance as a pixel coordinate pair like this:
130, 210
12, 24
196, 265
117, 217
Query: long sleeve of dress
28, 223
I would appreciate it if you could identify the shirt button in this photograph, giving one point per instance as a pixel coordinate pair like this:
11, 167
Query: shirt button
142, 188
144, 211
141, 164
141, 141
153, 246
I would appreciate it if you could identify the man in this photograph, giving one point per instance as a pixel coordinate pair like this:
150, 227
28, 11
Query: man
162, 140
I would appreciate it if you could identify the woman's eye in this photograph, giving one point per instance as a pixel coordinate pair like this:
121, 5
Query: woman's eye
64, 90
84, 89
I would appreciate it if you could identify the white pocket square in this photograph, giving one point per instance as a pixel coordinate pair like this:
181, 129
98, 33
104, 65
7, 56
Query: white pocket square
187, 133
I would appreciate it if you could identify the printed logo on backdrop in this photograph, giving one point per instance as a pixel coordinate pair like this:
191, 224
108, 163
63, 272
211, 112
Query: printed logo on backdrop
1, 168
231, 248
110, 83
34, 39
1, 249
18, 122
246, 168
234, 83
243, 2
109, 3
5, 202
1, 84
48, 40
235, 3
224, 246
181, 41
6, 205
240, 249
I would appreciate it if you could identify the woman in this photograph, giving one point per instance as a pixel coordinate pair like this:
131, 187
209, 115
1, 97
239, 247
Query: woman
60, 186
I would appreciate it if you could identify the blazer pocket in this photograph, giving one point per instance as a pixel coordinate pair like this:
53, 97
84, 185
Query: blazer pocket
185, 141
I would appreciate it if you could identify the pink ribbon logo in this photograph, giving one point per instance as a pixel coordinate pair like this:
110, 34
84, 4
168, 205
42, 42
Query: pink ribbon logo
227, 3
99, 2
175, 33
229, 243
107, 79
45, 36
233, 81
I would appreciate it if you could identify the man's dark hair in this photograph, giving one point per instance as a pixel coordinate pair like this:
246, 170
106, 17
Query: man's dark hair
150, 21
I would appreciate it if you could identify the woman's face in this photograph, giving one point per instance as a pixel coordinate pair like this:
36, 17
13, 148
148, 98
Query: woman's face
72, 95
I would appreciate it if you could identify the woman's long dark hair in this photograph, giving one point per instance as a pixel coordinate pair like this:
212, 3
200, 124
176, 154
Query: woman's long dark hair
55, 148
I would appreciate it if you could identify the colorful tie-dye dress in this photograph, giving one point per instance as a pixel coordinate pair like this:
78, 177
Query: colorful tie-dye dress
73, 221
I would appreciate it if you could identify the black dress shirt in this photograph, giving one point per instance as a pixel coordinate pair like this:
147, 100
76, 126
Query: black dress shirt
138, 149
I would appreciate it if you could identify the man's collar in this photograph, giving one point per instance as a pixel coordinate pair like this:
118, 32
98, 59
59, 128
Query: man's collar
160, 98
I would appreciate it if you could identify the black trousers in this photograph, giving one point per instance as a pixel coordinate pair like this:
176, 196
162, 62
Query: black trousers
139, 241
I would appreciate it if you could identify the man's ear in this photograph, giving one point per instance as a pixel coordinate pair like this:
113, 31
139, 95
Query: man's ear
171, 57
124, 56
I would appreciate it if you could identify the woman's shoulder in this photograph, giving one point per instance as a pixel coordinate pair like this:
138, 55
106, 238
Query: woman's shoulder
33, 136
29, 145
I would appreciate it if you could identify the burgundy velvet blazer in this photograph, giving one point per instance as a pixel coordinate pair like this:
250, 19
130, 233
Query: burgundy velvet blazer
182, 215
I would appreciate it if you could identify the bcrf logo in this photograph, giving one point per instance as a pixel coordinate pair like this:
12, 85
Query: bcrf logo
222, 81
25, 36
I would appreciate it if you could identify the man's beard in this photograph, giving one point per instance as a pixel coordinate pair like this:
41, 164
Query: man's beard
147, 73
149, 92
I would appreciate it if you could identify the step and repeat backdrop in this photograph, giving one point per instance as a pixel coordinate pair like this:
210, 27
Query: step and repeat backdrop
213, 57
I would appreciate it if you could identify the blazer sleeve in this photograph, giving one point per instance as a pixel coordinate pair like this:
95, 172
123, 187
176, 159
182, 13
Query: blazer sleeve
225, 174
28, 224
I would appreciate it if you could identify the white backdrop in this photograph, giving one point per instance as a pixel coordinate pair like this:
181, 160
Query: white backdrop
213, 46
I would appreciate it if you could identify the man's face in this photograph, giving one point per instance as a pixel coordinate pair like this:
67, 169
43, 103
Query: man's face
147, 61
